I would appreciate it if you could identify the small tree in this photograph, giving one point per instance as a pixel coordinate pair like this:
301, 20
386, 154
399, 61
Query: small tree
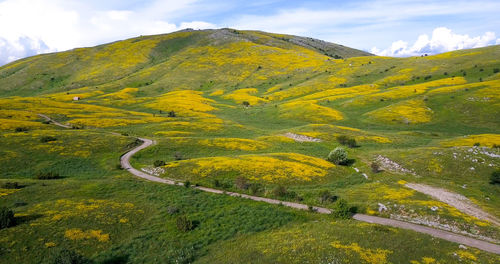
6, 218
338, 156
341, 209
183, 223
495, 177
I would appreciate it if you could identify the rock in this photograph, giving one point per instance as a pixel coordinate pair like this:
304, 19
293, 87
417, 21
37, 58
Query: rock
434, 208
381, 207
364, 175
356, 169
462, 247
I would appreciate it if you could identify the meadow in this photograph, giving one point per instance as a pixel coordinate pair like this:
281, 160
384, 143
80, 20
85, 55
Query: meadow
222, 106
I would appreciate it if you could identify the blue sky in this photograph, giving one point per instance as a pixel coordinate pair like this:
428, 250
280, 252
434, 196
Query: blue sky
384, 27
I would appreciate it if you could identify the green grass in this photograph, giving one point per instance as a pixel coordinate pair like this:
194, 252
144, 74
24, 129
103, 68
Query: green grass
230, 229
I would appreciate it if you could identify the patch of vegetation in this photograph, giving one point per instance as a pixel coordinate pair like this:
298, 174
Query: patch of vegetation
6, 218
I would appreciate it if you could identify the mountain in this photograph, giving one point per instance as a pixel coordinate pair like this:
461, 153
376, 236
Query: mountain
255, 113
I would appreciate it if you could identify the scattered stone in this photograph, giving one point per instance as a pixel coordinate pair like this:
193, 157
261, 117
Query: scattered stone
387, 164
356, 169
301, 138
381, 207
434, 208
462, 246
464, 186
156, 171
364, 175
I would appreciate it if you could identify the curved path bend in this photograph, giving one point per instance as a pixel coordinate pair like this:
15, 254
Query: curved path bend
471, 242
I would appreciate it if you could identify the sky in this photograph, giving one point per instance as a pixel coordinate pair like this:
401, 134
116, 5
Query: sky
383, 27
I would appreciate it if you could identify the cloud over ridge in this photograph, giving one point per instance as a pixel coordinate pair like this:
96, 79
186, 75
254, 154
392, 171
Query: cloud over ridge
441, 40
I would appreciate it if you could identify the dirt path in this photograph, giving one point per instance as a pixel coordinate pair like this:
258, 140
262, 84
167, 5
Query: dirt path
471, 242
456, 200
53, 121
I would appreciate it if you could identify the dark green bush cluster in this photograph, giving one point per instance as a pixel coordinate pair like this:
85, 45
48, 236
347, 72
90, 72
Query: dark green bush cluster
11, 185
47, 139
246, 103
282, 192
66, 256
47, 176
21, 129
159, 163
347, 141
6, 218
495, 177
184, 224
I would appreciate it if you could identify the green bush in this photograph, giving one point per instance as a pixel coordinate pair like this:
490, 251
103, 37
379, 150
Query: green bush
246, 103
66, 256
47, 176
495, 177
47, 139
338, 156
184, 224
159, 163
341, 209
6, 218
187, 184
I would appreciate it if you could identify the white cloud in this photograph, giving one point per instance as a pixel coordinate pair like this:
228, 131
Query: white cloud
442, 40
66, 24
20, 48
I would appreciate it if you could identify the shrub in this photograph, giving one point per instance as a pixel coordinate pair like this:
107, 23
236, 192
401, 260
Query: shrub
246, 103
342, 139
341, 209
241, 183
47, 139
496, 70
178, 156
47, 176
21, 129
187, 184
6, 218
66, 256
255, 188
477, 144
171, 114
352, 143
375, 167
159, 163
495, 177
338, 156
119, 167
11, 185
327, 197
280, 191
183, 223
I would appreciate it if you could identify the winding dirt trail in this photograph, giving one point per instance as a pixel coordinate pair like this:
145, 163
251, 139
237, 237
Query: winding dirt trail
53, 121
471, 242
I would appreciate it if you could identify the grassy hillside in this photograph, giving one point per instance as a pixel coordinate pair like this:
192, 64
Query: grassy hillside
224, 106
